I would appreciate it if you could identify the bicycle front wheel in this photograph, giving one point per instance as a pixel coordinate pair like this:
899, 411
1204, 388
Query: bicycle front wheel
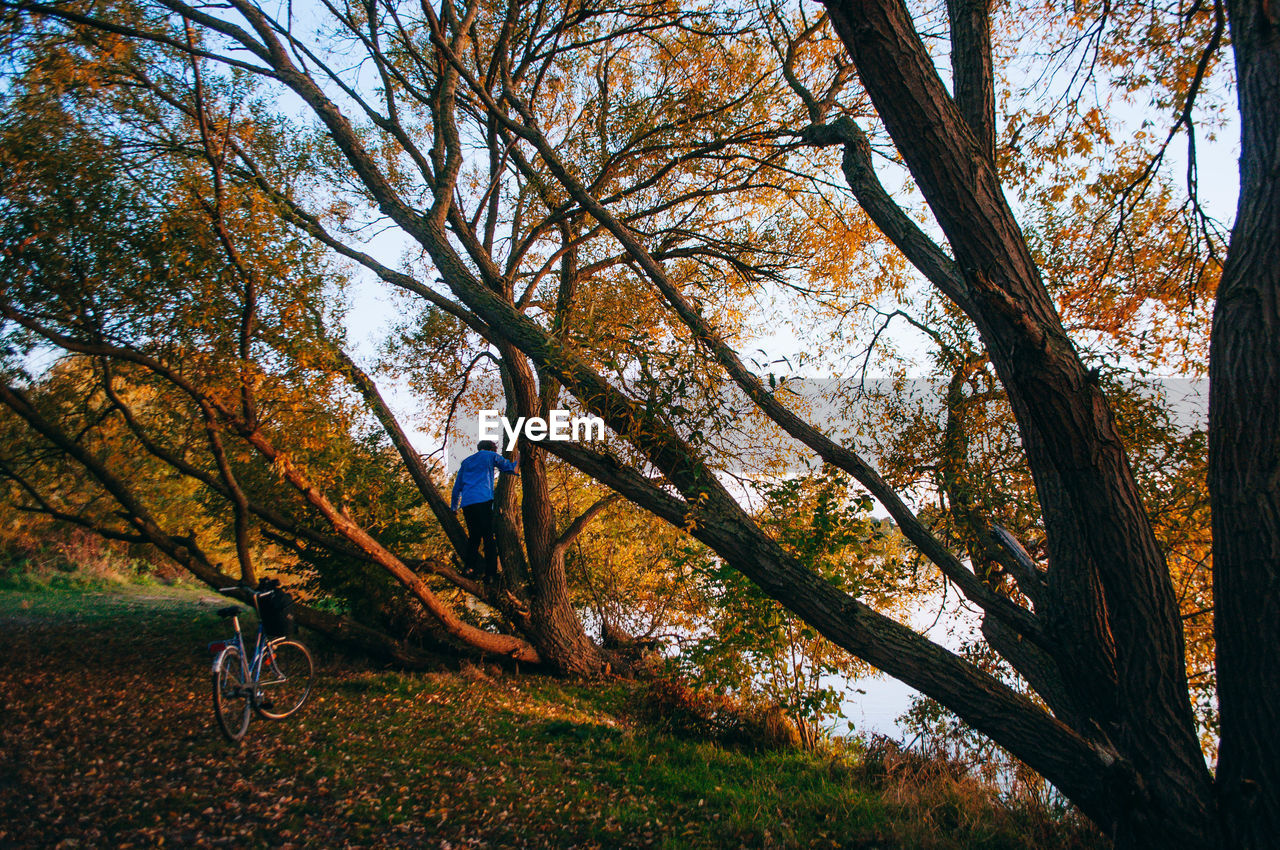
230, 695
285, 681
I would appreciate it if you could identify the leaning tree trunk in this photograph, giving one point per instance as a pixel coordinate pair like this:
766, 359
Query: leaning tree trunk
552, 625
1110, 603
1244, 449
555, 627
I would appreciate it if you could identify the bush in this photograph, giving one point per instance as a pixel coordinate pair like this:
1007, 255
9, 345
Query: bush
75, 558
884, 761
935, 794
674, 707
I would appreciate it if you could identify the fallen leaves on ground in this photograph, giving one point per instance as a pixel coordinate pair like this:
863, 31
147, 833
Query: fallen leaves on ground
108, 740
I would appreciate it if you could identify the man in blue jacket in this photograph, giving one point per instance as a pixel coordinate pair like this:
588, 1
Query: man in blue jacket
473, 492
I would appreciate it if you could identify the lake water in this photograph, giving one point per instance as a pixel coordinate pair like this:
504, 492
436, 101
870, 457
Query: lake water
885, 700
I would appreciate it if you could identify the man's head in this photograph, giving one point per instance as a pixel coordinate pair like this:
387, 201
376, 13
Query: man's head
487, 446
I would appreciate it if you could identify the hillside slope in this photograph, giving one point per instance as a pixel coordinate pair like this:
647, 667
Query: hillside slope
108, 741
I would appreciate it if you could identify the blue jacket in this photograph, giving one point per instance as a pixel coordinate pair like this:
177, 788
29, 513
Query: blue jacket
474, 482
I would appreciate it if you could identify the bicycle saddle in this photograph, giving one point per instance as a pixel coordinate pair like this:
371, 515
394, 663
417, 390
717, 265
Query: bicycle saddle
229, 611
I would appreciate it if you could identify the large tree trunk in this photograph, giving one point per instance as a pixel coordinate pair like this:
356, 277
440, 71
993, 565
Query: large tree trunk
1110, 602
554, 628
1244, 449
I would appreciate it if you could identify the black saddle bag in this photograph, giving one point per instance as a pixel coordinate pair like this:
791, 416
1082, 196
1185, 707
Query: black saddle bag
276, 609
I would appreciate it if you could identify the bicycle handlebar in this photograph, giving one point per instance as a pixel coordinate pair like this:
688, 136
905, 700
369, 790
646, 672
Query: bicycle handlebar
247, 589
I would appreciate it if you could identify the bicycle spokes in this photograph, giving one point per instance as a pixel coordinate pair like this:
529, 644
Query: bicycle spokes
285, 682
231, 694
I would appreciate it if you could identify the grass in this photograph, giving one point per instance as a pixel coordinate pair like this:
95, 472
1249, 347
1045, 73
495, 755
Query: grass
108, 740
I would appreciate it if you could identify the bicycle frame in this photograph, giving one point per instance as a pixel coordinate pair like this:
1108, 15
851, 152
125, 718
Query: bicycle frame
251, 668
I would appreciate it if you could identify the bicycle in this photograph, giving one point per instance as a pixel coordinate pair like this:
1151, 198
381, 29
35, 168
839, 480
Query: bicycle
273, 681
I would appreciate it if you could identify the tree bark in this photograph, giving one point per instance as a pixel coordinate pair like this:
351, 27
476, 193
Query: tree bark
1244, 449
972, 74
555, 628
1112, 605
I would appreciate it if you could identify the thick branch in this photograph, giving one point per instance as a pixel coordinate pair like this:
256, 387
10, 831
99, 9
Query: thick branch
1121, 636
412, 460
846, 459
584, 519
971, 69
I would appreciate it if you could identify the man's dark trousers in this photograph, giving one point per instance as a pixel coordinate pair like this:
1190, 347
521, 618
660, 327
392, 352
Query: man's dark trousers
479, 519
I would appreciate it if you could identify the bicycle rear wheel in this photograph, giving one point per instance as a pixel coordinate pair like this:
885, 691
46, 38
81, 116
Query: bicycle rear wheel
285, 681
230, 695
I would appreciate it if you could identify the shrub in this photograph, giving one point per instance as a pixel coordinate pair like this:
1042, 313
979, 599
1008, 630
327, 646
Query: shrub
935, 796
673, 706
